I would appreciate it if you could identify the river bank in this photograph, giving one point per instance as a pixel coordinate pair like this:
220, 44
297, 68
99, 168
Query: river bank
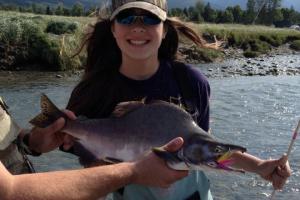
281, 61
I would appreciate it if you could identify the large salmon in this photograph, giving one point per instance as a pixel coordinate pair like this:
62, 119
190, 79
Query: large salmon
136, 127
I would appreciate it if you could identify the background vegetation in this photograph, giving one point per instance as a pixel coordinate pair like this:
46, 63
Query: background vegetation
35, 41
46, 39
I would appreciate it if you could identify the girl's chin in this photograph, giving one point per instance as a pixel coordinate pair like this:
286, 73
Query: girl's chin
140, 57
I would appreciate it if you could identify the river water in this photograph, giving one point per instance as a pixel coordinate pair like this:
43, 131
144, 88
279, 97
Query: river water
259, 113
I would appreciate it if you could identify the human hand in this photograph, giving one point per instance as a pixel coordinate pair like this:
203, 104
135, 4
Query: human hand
275, 171
43, 140
153, 171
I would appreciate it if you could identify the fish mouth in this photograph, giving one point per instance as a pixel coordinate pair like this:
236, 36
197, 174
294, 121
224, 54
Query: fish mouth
223, 162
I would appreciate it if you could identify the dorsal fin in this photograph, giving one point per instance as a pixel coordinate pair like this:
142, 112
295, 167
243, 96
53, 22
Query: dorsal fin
123, 108
49, 113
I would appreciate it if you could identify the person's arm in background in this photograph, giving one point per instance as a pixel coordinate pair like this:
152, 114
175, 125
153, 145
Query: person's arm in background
90, 183
276, 171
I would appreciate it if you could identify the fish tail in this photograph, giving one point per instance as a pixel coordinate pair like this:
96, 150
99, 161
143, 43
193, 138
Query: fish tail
49, 114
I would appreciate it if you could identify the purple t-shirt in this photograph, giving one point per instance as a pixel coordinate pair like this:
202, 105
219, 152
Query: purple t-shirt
164, 86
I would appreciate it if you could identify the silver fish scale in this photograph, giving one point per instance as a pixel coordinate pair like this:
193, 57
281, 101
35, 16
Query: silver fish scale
139, 130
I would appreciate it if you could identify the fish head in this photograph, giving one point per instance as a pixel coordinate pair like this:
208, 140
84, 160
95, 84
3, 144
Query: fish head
201, 152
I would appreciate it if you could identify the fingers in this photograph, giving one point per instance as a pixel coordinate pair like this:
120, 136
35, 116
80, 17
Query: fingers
56, 126
174, 144
68, 142
282, 172
70, 114
278, 181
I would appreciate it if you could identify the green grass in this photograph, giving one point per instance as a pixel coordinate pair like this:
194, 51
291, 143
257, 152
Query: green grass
254, 40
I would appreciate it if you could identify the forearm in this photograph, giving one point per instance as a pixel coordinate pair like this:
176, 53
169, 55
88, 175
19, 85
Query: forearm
81, 184
246, 162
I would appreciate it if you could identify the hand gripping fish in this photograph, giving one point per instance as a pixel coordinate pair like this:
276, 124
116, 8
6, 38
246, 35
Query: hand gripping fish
135, 127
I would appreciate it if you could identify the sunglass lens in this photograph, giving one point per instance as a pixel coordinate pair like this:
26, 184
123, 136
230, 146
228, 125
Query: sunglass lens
151, 20
126, 20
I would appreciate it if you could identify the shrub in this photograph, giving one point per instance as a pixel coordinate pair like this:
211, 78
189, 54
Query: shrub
251, 54
60, 27
292, 38
295, 45
11, 32
273, 40
259, 46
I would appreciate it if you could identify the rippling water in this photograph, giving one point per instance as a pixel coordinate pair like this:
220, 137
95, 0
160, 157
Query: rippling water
259, 113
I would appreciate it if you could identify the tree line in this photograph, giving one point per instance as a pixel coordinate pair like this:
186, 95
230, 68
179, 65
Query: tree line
265, 12
76, 10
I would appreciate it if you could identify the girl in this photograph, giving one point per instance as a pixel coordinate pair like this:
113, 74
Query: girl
131, 55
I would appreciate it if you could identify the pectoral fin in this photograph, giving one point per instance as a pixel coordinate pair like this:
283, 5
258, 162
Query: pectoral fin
167, 156
110, 160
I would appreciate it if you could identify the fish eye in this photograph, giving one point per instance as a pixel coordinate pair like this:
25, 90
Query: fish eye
212, 164
218, 149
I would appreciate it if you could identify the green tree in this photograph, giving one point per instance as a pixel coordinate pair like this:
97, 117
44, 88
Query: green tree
250, 12
199, 6
77, 9
34, 7
209, 14
263, 16
237, 13
49, 11
59, 9
228, 16
225, 16
178, 12
66, 12
289, 17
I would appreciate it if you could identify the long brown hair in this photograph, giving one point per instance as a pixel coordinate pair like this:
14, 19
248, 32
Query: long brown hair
94, 95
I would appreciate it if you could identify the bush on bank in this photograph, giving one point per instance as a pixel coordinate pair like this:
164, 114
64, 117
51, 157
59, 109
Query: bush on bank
24, 42
296, 45
61, 27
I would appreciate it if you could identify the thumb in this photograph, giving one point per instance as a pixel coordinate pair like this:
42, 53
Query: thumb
174, 144
56, 126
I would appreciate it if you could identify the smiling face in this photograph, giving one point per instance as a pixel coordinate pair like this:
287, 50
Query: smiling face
138, 41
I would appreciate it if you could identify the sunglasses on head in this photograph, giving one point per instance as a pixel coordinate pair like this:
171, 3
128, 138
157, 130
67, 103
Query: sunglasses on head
128, 19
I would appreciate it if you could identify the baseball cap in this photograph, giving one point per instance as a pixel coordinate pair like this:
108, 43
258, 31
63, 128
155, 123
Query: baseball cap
156, 7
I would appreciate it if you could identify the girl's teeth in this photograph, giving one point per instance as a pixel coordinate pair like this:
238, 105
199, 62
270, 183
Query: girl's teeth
138, 42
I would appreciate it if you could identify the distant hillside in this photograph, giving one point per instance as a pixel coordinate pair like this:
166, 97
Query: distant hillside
217, 4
